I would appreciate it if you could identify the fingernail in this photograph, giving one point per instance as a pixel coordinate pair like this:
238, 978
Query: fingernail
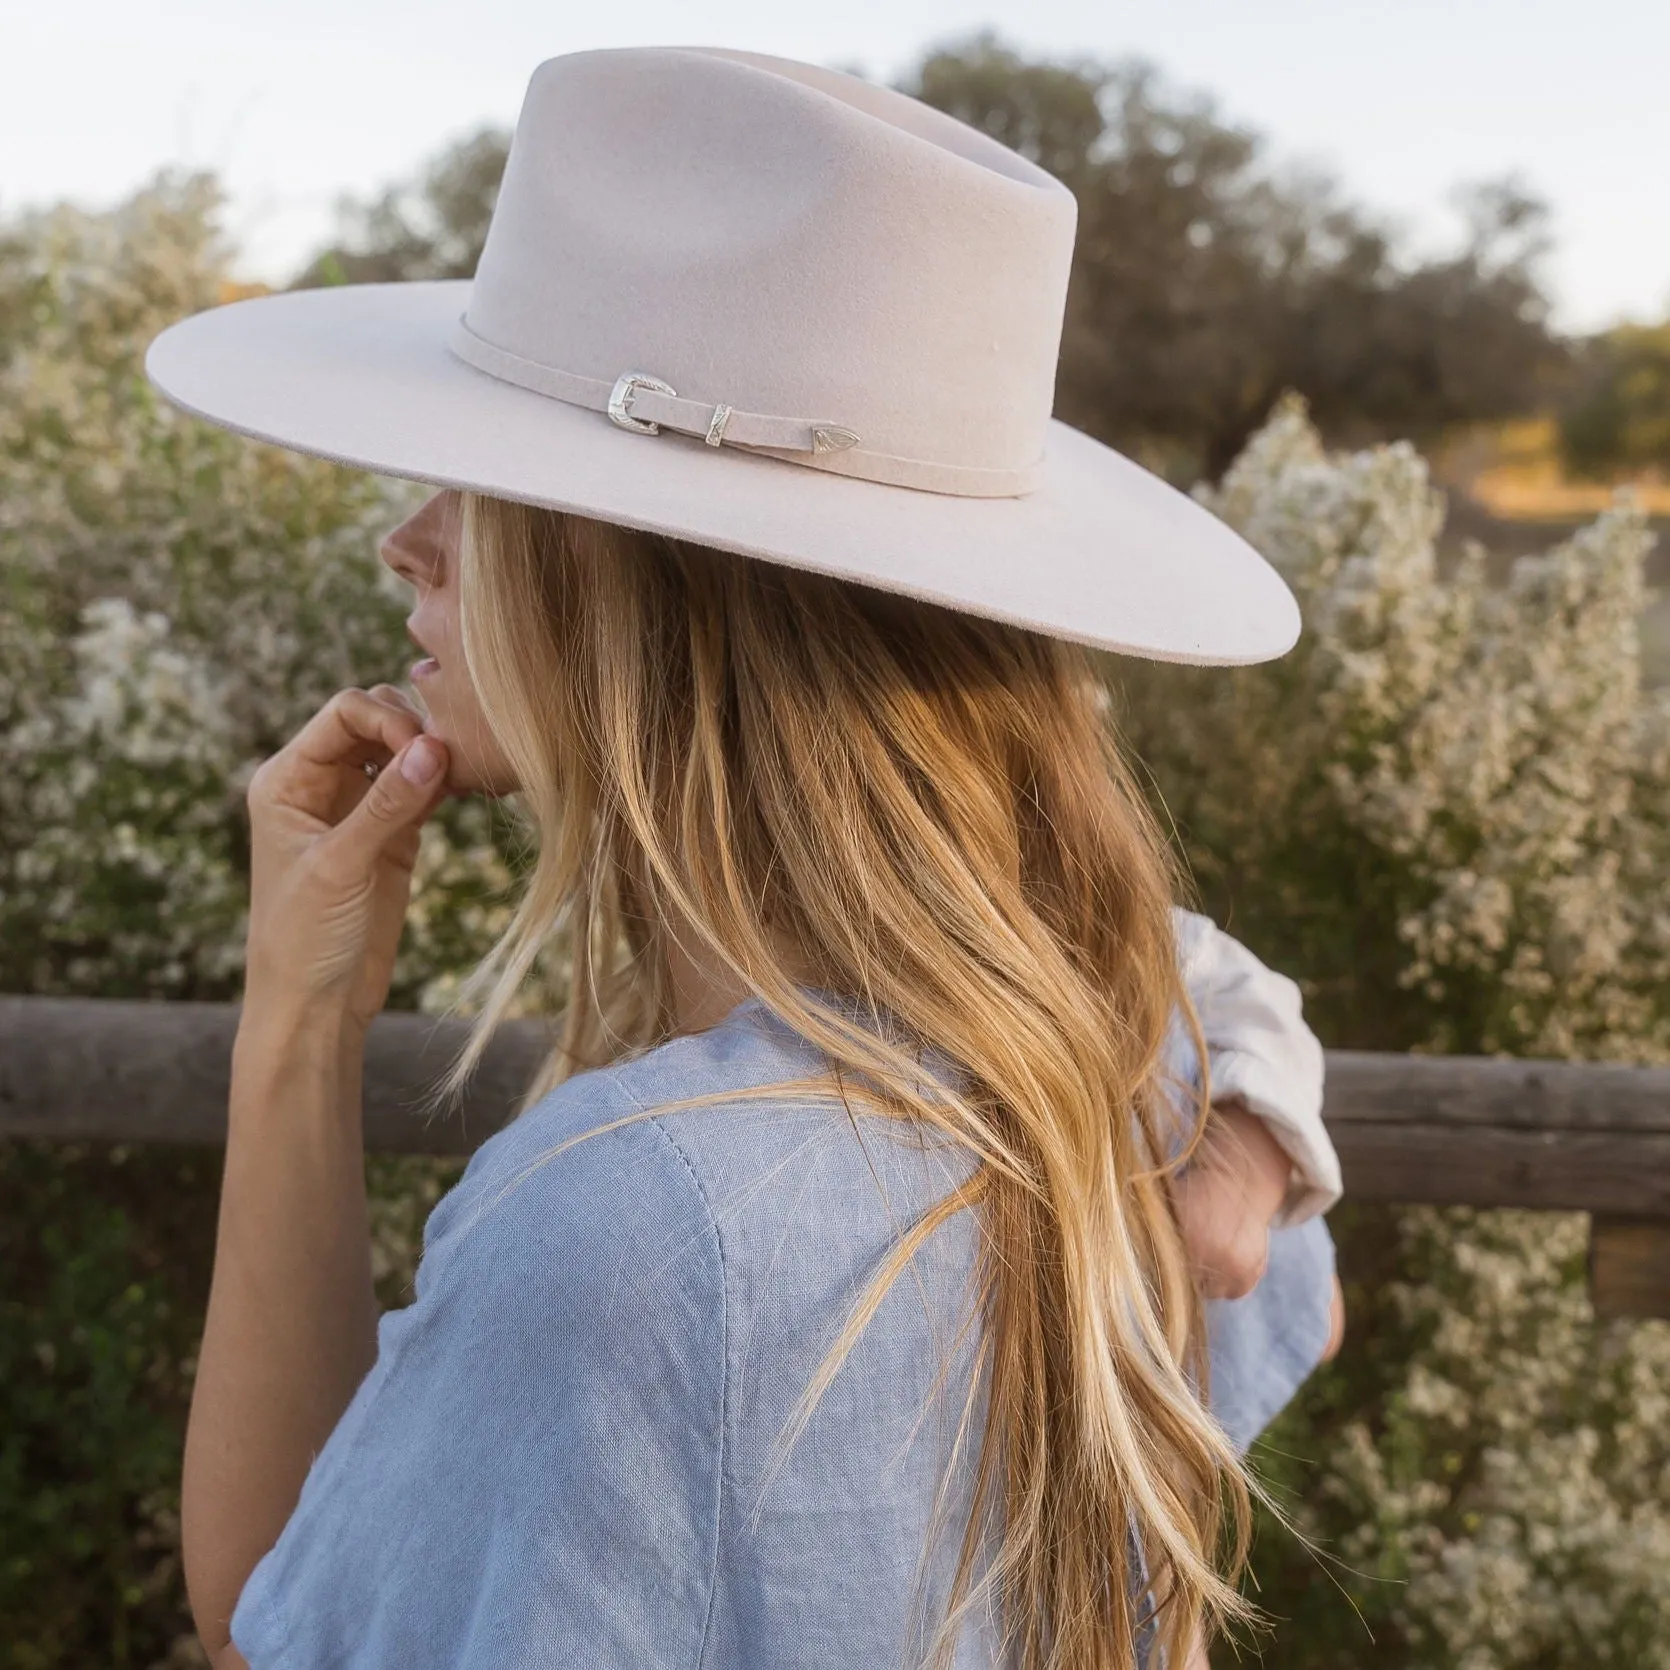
420, 762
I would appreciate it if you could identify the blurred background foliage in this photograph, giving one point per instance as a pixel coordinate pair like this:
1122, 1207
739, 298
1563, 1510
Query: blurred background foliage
1447, 813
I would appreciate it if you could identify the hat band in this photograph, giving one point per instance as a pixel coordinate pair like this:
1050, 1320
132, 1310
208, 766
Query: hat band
644, 404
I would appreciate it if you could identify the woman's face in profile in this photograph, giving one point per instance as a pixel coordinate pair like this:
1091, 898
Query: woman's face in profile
423, 551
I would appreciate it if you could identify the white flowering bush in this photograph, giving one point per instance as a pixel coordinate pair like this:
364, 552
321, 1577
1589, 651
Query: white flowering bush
179, 600
1446, 812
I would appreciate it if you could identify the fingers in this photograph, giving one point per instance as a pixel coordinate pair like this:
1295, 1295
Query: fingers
357, 725
316, 773
404, 793
393, 693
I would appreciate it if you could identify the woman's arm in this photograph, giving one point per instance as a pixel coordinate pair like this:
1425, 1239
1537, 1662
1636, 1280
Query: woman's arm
291, 1327
292, 1319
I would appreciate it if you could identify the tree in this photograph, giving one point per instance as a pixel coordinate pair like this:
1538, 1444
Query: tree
1619, 416
1203, 286
431, 228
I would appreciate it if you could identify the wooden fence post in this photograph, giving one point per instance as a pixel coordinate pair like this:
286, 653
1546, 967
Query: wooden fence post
1629, 1266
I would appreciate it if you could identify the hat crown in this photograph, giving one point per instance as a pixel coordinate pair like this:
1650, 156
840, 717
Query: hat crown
769, 237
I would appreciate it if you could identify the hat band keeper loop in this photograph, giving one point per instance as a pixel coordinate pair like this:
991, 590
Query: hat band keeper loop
640, 402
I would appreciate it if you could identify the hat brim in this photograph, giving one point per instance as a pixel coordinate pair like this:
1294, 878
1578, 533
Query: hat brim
1104, 553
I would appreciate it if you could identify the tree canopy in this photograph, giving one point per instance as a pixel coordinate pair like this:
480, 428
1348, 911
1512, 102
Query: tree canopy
1204, 284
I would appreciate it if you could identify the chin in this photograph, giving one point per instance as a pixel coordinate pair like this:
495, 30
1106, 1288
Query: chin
465, 776
468, 772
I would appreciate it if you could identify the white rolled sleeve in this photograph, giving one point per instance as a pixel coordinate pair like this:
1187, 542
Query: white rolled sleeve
1259, 1049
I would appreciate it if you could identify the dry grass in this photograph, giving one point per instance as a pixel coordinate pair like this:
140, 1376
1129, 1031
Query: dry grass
1514, 472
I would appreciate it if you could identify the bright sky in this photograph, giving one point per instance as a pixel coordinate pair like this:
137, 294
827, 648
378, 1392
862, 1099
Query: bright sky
293, 101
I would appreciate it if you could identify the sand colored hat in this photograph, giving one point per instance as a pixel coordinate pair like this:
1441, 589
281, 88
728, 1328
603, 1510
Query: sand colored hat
773, 309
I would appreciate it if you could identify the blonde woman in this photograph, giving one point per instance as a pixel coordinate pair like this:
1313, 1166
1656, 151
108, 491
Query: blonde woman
863, 1282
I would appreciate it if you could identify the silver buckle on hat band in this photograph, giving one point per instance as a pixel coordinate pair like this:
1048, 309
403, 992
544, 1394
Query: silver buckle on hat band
620, 401
693, 417
797, 440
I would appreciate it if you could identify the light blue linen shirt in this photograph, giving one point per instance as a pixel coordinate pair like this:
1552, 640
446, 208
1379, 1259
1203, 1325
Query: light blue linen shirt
563, 1454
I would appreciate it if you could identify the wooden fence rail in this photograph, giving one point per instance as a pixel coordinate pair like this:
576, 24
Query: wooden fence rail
1443, 1130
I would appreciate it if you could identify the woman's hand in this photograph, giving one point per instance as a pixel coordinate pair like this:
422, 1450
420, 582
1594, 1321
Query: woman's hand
1227, 1197
332, 853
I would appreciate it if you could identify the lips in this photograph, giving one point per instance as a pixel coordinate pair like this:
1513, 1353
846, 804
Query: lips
428, 665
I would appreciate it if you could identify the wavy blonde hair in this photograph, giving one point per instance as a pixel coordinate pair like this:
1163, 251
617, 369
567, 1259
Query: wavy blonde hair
853, 800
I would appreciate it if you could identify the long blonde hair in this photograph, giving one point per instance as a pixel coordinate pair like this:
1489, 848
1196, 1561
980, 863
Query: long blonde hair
930, 810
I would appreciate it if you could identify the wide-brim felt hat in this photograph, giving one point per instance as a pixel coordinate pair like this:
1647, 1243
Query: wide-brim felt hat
773, 309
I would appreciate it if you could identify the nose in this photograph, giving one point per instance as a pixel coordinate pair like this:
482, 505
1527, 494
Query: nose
397, 553
412, 550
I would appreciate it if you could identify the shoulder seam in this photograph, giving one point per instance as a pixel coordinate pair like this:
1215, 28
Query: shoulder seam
724, 1357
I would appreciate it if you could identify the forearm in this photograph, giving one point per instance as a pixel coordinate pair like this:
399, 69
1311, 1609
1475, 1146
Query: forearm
291, 1327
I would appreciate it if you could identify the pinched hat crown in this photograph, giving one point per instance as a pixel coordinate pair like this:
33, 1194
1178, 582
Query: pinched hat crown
781, 258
